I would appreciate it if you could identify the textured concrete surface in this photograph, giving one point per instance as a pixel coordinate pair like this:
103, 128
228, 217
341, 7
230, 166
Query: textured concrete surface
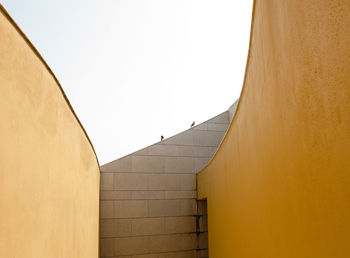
279, 184
148, 199
49, 175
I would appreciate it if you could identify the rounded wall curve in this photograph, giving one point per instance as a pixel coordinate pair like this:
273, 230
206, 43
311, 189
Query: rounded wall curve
49, 174
278, 185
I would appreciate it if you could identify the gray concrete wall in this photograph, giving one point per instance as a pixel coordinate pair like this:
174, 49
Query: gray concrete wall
232, 109
148, 198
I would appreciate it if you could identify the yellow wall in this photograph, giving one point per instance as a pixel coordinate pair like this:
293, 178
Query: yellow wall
49, 175
279, 185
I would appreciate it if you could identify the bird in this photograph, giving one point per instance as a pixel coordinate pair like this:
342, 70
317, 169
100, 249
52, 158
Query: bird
193, 123
161, 137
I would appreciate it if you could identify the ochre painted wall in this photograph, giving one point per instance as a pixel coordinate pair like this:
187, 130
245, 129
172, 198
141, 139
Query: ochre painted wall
49, 174
279, 185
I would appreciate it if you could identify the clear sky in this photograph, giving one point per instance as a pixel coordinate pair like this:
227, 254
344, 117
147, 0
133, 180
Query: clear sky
136, 69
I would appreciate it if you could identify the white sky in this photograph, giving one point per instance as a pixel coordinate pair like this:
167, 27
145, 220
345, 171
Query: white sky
136, 69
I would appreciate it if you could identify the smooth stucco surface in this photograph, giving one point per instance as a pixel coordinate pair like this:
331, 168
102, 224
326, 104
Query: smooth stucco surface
49, 174
279, 184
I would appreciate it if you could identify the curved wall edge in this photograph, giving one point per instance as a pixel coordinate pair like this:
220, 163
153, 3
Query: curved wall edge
49, 173
278, 184
8, 16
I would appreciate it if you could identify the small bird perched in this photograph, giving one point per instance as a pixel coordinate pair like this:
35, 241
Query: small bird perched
193, 123
161, 137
